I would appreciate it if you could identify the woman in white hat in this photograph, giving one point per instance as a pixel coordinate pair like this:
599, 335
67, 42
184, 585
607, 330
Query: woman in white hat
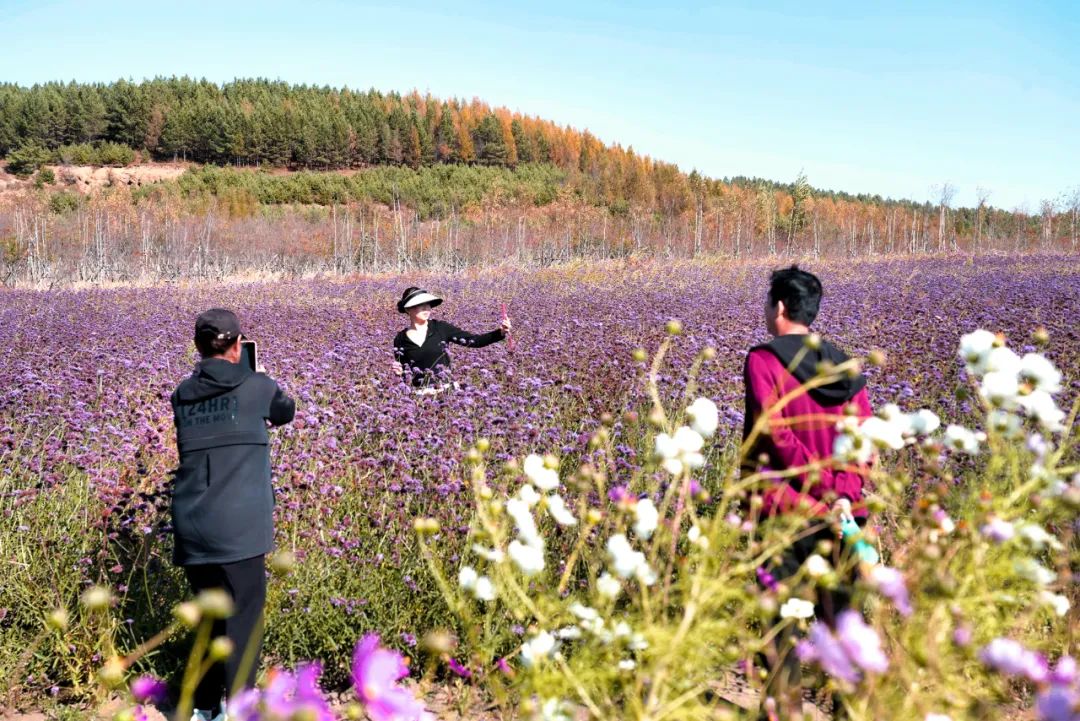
420, 350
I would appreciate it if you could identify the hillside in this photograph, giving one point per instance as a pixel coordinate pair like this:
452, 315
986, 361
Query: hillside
199, 178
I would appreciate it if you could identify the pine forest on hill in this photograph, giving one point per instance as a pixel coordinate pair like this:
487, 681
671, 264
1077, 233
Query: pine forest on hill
295, 178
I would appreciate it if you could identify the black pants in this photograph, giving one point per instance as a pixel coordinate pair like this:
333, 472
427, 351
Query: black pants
245, 581
785, 671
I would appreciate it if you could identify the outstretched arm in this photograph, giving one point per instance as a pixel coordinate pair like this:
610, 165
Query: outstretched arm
472, 340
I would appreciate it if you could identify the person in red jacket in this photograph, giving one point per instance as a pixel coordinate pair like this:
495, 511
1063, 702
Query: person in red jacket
799, 438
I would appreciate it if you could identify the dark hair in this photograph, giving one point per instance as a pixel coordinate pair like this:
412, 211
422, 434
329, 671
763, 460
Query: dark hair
211, 346
800, 291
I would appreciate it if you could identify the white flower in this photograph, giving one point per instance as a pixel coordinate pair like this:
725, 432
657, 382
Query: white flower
961, 439
529, 495
1000, 389
557, 508
1035, 572
704, 418
797, 608
646, 517
852, 448
696, 537
585, 613
608, 586
924, 422
488, 554
883, 433
556, 710
1039, 405
680, 451
1003, 422
627, 562
637, 643
975, 347
623, 630
1056, 601
543, 477
627, 664
1040, 372
1002, 360
817, 566
529, 559
569, 632
523, 519
484, 589
1037, 536
467, 577
538, 647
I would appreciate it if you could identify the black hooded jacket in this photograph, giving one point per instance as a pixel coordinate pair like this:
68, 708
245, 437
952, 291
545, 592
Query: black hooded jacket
222, 501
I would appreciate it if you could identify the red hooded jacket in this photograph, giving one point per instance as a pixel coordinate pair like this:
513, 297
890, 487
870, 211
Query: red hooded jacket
810, 430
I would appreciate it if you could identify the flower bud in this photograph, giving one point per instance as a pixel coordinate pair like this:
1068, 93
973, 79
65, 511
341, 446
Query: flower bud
439, 642
96, 598
1041, 336
709, 353
876, 358
187, 613
812, 341
483, 445
57, 620
426, 526
473, 456
656, 417
112, 673
215, 603
607, 419
639, 355
282, 563
221, 648
486, 493
631, 417
593, 516
674, 327
551, 461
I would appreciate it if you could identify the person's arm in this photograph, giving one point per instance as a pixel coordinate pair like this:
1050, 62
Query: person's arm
453, 334
845, 483
282, 408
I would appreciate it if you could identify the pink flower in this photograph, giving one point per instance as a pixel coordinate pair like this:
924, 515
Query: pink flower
375, 673
147, 689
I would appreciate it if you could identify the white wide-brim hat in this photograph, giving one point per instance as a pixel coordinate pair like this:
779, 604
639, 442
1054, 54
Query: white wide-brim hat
417, 297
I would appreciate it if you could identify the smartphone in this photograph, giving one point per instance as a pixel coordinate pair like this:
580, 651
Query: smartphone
249, 354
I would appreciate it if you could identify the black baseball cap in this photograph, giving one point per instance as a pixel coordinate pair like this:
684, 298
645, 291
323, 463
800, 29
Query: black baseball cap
217, 324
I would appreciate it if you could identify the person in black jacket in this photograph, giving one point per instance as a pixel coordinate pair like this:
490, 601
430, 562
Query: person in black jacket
420, 355
222, 500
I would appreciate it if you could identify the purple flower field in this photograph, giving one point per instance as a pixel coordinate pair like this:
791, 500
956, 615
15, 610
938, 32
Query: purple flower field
86, 375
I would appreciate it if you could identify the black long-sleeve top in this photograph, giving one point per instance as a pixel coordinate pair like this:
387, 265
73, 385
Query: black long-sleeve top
422, 362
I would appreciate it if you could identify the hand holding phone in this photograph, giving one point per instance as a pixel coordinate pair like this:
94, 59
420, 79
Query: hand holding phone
249, 355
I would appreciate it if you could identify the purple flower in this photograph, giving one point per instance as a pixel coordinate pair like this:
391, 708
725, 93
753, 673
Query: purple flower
459, 669
147, 689
1058, 703
861, 642
853, 647
375, 673
1065, 671
1011, 659
766, 579
890, 584
288, 695
822, 647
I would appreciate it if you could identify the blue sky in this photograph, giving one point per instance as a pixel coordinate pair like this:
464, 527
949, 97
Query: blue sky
865, 97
